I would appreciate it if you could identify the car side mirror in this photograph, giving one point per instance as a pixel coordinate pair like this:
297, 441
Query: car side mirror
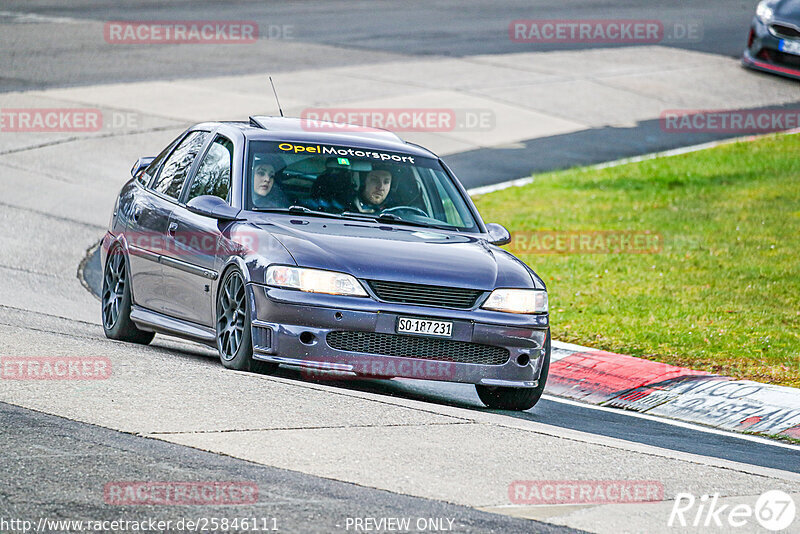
141, 163
498, 234
214, 207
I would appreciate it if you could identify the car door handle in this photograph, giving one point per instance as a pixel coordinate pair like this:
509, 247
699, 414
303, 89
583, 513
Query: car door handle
173, 226
136, 212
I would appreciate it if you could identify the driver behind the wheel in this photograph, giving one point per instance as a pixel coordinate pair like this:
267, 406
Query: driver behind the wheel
373, 192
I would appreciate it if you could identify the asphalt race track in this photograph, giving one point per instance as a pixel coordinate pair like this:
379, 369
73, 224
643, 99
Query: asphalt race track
323, 452
384, 29
298, 502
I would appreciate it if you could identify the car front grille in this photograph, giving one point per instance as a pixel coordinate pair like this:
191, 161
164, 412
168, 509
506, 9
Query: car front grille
422, 295
784, 31
424, 348
779, 58
787, 60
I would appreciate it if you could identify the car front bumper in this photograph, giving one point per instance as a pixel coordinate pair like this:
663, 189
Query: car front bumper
763, 53
296, 328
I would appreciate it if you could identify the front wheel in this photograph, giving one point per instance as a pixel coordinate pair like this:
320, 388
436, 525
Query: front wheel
517, 399
234, 340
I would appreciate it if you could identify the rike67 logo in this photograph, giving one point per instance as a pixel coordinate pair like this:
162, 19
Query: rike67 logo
774, 510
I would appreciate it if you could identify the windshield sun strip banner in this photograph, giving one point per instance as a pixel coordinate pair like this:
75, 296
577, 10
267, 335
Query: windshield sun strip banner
340, 151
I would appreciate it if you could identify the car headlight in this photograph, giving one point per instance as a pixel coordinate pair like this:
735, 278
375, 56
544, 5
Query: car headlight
765, 11
314, 281
517, 301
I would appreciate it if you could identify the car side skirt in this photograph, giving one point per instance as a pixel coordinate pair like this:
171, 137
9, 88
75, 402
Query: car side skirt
156, 322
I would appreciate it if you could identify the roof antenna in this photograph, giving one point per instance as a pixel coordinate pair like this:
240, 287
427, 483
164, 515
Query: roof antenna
276, 95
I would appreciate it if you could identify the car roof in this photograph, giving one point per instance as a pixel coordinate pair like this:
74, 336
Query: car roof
292, 129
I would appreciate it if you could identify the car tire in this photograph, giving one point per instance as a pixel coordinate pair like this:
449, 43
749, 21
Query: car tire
115, 300
517, 399
234, 336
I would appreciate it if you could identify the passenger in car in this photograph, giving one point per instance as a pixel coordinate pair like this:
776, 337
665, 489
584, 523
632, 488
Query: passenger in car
266, 193
374, 191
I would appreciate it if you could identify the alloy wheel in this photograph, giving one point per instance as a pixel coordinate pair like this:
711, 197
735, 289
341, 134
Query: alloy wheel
231, 316
114, 282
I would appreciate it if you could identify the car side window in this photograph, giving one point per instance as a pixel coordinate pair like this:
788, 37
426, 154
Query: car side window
213, 177
146, 177
173, 173
143, 178
450, 212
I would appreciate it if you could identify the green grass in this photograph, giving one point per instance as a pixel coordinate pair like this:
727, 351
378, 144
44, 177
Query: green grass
722, 295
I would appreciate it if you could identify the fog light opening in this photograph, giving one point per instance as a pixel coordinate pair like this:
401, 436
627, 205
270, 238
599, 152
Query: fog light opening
307, 338
523, 360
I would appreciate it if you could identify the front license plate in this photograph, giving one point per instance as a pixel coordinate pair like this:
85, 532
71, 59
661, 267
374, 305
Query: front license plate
424, 327
790, 47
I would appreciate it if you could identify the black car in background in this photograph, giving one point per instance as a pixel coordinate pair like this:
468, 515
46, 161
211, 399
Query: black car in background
773, 44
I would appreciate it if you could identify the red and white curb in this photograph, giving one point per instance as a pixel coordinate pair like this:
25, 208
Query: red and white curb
619, 381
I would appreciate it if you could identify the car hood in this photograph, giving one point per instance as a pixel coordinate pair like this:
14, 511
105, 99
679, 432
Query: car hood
788, 11
397, 253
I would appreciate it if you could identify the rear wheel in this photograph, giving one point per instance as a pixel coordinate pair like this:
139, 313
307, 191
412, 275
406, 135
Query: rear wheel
116, 300
234, 341
517, 399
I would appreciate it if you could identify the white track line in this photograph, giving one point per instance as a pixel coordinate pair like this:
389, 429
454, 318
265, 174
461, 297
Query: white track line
675, 422
19, 17
644, 157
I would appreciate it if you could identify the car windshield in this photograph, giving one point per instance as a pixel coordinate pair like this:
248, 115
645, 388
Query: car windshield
353, 182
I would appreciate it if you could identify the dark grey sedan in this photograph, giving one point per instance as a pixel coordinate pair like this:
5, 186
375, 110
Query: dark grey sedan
345, 250
773, 44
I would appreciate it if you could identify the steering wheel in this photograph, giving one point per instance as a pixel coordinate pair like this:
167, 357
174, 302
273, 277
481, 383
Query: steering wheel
409, 209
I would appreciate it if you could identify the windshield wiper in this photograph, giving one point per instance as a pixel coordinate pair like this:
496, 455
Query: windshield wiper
350, 215
392, 218
300, 209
